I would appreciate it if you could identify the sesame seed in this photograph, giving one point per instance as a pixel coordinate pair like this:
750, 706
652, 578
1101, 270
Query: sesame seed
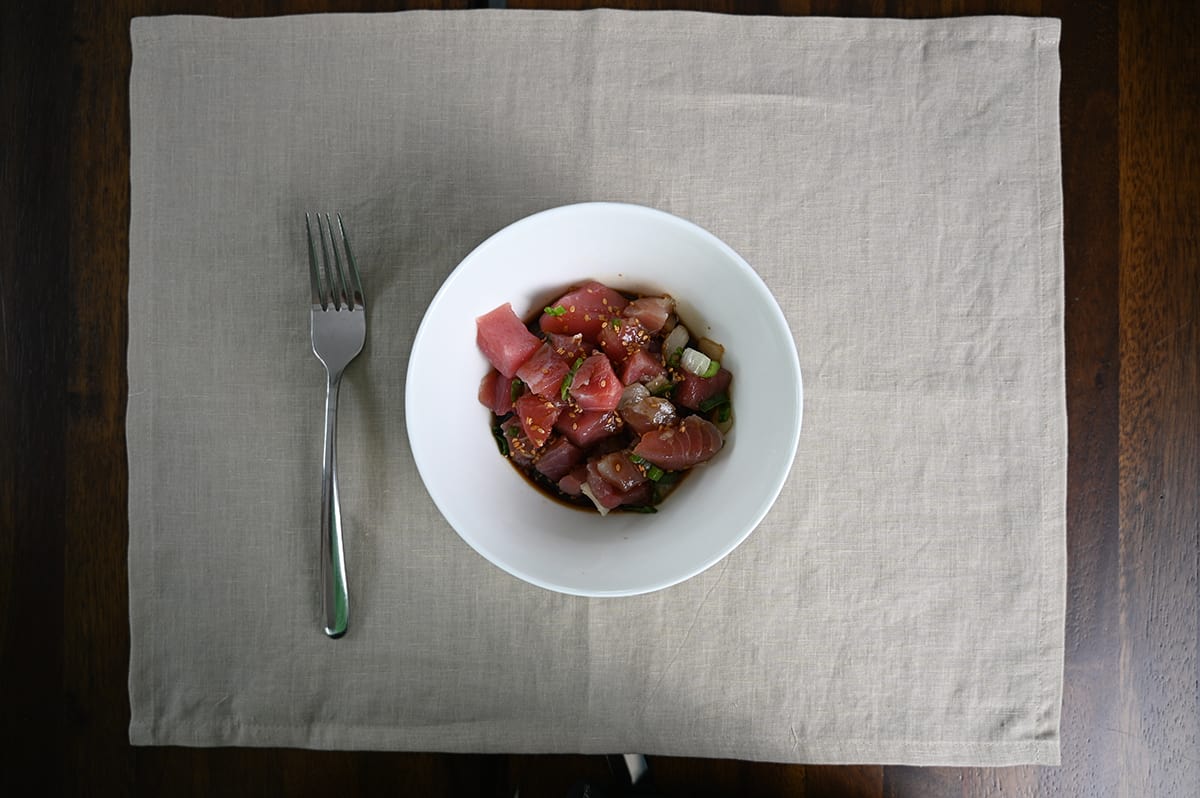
572, 308
529, 420
617, 468
574, 425
603, 383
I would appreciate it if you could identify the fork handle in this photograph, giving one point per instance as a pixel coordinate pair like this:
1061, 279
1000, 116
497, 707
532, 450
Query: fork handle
335, 599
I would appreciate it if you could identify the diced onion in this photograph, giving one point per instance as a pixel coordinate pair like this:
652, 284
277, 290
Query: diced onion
697, 363
711, 348
677, 340
586, 490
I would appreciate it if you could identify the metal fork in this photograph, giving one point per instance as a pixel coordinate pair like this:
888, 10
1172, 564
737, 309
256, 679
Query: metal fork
339, 328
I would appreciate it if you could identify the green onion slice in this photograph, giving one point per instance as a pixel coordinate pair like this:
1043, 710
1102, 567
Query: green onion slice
713, 367
501, 443
567, 380
654, 473
716, 400
557, 310
724, 413
516, 389
636, 459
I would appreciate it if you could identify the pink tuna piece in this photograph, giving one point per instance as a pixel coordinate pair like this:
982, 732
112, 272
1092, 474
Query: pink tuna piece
544, 372
620, 339
584, 310
620, 472
572, 483
504, 340
558, 458
537, 418
610, 496
642, 366
495, 392
569, 347
585, 428
651, 311
648, 414
674, 448
595, 385
693, 390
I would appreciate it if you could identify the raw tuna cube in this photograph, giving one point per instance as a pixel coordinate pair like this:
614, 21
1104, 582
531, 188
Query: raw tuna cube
620, 339
504, 340
610, 496
651, 311
648, 413
620, 472
641, 366
558, 458
537, 418
544, 373
520, 449
585, 309
694, 390
572, 483
585, 428
595, 386
495, 392
569, 347
674, 448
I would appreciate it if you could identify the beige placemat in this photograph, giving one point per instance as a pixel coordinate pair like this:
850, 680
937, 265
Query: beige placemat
895, 183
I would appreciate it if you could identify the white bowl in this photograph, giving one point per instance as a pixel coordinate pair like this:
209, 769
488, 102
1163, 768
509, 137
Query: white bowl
514, 525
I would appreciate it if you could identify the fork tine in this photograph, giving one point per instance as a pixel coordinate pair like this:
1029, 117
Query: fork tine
337, 297
355, 284
343, 284
314, 275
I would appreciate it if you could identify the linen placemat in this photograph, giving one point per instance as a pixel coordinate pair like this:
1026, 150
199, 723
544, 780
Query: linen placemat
897, 186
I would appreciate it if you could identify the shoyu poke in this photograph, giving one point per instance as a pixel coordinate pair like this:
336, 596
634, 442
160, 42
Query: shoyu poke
604, 399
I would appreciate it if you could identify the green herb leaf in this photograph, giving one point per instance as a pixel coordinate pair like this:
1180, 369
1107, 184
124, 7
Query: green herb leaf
570, 378
557, 310
501, 443
716, 400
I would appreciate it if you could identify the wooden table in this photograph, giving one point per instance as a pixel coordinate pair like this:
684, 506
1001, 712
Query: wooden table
1131, 179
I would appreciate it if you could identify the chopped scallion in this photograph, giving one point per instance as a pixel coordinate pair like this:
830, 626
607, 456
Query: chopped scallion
716, 400
663, 389
713, 367
636, 459
654, 473
557, 310
515, 391
724, 413
501, 443
567, 380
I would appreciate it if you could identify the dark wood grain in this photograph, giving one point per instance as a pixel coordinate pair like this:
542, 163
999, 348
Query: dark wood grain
1158, 726
35, 90
1130, 124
